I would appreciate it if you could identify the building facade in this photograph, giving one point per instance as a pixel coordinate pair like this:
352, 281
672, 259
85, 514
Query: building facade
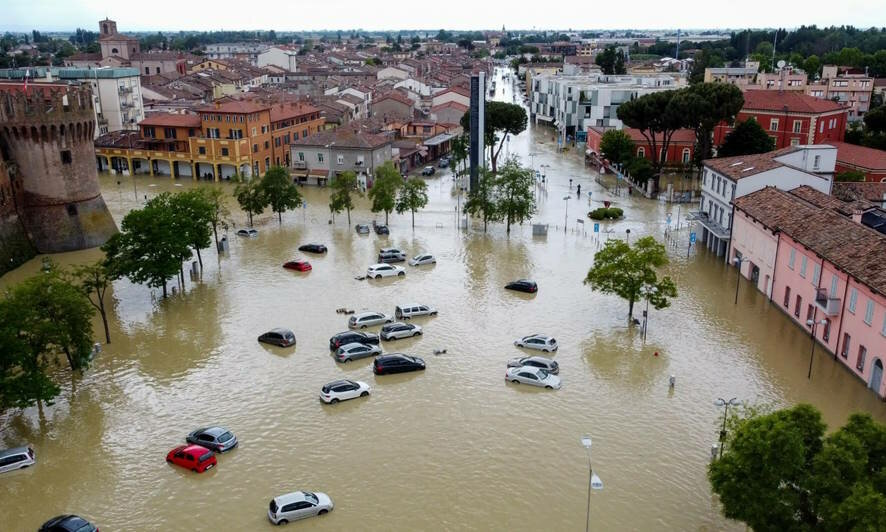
680, 151
321, 157
846, 86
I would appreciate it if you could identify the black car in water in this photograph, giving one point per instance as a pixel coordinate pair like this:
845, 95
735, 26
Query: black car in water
68, 523
523, 285
313, 248
278, 337
396, 363
382, 230
348, 337
216, 439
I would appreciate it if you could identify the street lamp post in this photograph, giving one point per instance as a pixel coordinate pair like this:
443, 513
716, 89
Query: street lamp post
725, 404
647, 291
813, 323
628, 236
566, 216
594, 481
738, 262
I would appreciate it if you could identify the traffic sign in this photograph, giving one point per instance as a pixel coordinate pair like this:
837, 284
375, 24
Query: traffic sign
692, 238
597, 228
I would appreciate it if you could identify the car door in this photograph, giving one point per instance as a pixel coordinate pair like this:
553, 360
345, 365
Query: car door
349, 391
304, 509
11, 462
207, 441
528, 378
535, 342
360, 352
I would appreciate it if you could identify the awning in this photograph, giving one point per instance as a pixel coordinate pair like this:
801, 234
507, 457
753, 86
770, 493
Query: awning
318, 172
544, 118
436, 140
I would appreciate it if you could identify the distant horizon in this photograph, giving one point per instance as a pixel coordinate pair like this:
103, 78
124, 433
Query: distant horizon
460, 15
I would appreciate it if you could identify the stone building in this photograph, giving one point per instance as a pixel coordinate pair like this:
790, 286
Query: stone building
46, 134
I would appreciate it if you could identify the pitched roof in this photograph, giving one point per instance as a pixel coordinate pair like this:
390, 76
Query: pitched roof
395, 96
794, 101
171, 120
870, 191
743, 165
233, 106
452, 104
852, 247
860, 156
344, 137
282, 111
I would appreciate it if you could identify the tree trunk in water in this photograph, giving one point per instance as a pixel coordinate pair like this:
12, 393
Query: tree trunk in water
386, 217
164, 289
199, 258
104, 315
70, 360
630, 309
509, 225
215, 232
280, 217
250, 219
413, 219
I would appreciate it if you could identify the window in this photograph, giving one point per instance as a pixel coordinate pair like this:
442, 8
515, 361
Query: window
304, 133
869, 312
224, 152
792, 258
862, 354
787, 296
320, 157
169, 132
803, 266
253, 132
301, 156
816, 162
821, 127
255, 148
853, 299
201, 150
267, 144
845, 350
158, 70
798, 303
267, 163
147, 71
826, 333
641, 152
798, 126
773, 124
149, 132
816, 274
795, 142
66, 157
340, 159
833, 286
810, 312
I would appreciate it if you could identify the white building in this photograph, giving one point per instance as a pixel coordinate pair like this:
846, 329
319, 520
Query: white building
116, 92
283, 58
244, 51
574, 103
727, 178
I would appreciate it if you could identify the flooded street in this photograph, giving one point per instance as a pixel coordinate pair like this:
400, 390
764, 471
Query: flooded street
450, 448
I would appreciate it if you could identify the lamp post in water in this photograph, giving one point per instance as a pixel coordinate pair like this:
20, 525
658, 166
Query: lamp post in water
738, 262
725, 404
594, 481
812, 324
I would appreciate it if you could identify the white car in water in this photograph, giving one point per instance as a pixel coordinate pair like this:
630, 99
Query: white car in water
343, 390
425, 258
377, 271
532, 376
298, 505
397, 330
537, 341
368, 319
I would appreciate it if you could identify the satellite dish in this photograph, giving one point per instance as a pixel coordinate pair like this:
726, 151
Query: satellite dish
781, 63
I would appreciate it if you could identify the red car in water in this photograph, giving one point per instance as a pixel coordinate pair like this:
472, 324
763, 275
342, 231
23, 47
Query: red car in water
298, 265
193, 457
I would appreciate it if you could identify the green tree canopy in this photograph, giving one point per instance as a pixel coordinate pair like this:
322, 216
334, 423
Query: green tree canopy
344, 188
617, 146
746, 139
192, 212
630, 272
703, 106
94, 279
281, 193
781, 472
850, 175
384, 189
515, 200
252, 198
413, 196
482, 199
500, 120
218, 208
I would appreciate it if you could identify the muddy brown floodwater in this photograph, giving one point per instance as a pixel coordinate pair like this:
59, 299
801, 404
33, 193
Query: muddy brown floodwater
450, 448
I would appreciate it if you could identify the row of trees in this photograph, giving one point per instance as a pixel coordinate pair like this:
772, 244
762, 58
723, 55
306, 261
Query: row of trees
781, 472
506, 196
389, 192
275, 190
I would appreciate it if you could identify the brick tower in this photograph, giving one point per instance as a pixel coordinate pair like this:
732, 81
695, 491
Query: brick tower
46, 133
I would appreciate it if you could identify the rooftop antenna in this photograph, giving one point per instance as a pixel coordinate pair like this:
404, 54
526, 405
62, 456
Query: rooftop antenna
774, 42
677, 53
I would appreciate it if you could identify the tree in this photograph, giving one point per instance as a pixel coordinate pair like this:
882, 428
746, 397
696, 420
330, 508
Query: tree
619, 66
459, 152
344, 187
780, 472
147, 249
703, 106
875, 120
24, 378
657, 115
617, 146
384, 189
811, 65
628, 271
747, 138
413, 196
481, 200
850, 175
219, 211
95, 279
606, 60
500, 120
514, 197
251, 197
192, 213
281, 193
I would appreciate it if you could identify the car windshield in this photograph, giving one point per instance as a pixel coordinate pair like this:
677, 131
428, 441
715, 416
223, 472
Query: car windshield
205, 457
542, 374
86, 528
311, 497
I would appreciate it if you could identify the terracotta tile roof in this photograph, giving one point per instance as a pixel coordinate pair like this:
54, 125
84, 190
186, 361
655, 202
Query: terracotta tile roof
282, 111
681, 136
852, 247
873, 192
796, 102
85, 57
860, 156
450, 105
847, 207
742, 166
172, 120
233, 106
393, 95
343, 137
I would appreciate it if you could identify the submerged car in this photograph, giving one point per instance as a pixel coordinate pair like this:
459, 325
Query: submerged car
343, 390
16, 458
368, 319
298, 505
396, 363
444, 162
377, 271
194, 457
354, 351
349, 337
278, 337
217, 439
533, 376
251, 233
67, 523
388, 255
428, 170
546, 364
362, 229
313, 248
382, 230
523, 285
410, 311
538, 341
425, 258
394, 331
298, 265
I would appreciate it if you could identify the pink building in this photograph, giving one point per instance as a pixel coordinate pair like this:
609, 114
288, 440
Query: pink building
820, 260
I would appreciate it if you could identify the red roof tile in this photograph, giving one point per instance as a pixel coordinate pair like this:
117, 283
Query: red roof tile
860, 156
282, 111
796, 102
172, 120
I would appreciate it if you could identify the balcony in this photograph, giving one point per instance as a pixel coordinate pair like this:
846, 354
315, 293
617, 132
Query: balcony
123, 89
829, 305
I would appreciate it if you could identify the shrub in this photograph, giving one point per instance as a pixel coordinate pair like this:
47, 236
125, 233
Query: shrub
612, 213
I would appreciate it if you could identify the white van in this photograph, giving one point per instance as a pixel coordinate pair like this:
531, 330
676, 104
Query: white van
404, 312
16, 458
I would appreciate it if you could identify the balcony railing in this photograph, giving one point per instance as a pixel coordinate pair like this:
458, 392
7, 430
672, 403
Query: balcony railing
829, 305
124, 89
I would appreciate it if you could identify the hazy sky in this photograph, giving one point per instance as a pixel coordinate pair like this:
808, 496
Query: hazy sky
147, 15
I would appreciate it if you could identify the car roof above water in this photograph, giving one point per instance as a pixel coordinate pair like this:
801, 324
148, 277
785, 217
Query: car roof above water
14, 451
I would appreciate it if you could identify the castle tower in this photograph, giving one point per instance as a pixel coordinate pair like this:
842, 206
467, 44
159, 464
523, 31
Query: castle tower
46, 135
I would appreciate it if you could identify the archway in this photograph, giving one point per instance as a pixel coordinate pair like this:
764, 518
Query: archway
876, 376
